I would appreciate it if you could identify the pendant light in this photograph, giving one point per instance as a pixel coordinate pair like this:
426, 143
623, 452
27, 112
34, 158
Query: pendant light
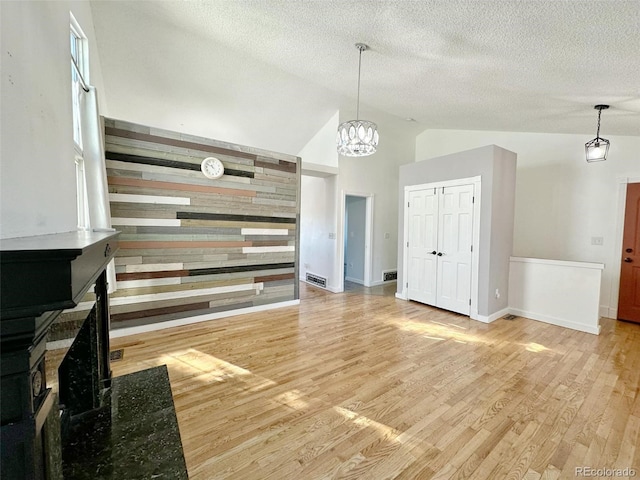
597, 149
357, 138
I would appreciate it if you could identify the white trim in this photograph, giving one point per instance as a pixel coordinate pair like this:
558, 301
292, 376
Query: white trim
368, 240
130, 198
123, 332
605, 311
559, 263
615, 280
402, 295
554, 321
146, 222
382, 282
354, 280
493, 317
477, 193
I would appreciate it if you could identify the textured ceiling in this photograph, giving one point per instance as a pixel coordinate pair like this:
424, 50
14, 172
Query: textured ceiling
514, 65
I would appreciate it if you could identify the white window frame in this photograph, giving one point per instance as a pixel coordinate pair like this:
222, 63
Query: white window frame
79, 54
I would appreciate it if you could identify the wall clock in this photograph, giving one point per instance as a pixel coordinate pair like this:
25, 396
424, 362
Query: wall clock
212, 167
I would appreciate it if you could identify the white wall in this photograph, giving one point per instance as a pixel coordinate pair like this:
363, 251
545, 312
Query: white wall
322, 203
561, 201
321, 151
317, 221
378, 175
355, 220
37, 186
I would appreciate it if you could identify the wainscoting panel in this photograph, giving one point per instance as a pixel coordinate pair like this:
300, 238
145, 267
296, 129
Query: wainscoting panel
558, 292
191, 245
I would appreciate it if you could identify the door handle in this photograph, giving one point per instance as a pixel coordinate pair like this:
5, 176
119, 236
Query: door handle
440, 254
433, 253
628, 260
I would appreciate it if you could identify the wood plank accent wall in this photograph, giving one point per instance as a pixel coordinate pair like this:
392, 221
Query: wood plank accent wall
191, 245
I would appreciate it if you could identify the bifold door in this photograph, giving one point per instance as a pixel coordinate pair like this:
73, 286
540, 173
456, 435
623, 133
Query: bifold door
439, 247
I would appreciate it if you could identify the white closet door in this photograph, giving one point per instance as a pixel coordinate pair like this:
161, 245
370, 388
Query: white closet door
423, 238
454, 253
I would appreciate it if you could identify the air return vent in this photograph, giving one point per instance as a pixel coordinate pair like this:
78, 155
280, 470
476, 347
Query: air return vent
389, 275
316, 280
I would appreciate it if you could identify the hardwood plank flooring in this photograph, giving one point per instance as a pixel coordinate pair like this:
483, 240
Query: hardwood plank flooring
362, 385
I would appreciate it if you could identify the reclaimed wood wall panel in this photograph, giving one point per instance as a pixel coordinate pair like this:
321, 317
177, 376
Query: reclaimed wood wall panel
191, 245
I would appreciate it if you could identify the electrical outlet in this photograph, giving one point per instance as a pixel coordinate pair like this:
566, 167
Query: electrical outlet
387, 236
332, 236
497, 293
597, 241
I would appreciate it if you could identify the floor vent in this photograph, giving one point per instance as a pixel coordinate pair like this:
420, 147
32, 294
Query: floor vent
316, 280
115, 355
510, 317
389, 275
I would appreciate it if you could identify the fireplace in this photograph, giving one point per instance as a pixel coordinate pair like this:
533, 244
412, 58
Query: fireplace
92, 427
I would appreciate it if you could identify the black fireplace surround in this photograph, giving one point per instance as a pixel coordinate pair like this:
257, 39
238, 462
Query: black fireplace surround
96, 427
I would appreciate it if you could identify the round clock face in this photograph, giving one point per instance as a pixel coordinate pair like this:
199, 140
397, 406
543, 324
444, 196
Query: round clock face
212, 167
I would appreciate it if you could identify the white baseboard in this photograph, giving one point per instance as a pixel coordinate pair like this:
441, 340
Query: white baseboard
493, 317
382, 282
555, 321
608, 312
354, 280
125, 332
401, 295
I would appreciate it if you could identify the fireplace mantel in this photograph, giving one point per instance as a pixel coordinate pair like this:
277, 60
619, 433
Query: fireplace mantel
96, 427
66, 263
39, 277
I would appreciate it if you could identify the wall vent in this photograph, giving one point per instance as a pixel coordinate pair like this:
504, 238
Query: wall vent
314, 279
389, 275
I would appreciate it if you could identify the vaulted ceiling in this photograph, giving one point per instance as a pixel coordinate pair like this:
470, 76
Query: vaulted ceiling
284, 66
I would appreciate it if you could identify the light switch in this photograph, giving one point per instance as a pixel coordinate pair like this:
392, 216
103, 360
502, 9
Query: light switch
597, 240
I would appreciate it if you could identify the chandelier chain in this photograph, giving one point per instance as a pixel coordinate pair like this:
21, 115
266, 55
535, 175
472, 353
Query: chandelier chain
598, 131
359, 69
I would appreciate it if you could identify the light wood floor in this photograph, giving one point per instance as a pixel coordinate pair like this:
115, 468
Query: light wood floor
362, 386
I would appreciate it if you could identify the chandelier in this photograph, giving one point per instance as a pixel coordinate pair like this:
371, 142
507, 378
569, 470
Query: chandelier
597, 149
357, 138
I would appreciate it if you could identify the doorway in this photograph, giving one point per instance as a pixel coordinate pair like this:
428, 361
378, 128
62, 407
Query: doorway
356, 238
629, 294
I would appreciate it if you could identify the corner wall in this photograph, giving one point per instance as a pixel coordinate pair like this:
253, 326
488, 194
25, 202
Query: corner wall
561, 201
496, 167
36, 151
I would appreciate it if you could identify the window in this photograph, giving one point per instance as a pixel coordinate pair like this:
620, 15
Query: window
79, 77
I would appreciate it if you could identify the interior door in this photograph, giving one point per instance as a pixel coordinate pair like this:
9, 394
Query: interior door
629, 299
455, 232
423, 238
